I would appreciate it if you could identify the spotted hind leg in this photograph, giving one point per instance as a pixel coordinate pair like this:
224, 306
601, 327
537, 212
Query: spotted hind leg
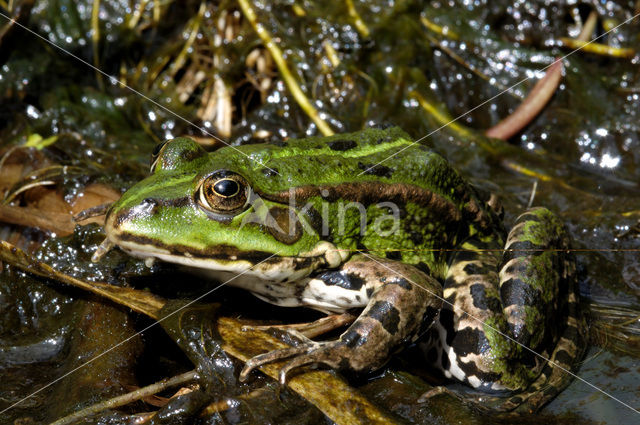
401, 302
538, 270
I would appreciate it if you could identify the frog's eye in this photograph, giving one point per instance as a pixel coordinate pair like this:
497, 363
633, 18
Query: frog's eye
156, 154
223, 192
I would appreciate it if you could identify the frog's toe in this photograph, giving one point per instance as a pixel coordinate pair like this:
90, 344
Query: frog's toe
305, 354
274, 356
326, 353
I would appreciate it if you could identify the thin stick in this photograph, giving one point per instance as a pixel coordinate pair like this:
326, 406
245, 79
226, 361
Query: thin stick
124, 399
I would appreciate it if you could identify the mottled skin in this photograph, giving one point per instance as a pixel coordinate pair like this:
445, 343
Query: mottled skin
287, 217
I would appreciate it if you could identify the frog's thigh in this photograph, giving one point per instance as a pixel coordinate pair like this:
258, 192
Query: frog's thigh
404, 302
535, 276
461, 348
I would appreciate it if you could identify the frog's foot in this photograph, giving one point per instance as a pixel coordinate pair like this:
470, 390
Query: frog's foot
329, 353
402, 303
315, 328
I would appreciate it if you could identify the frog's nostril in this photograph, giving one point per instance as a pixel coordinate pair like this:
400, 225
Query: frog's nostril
148, 205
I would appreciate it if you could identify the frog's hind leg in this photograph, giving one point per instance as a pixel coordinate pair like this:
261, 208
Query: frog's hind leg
539, 295
401, 302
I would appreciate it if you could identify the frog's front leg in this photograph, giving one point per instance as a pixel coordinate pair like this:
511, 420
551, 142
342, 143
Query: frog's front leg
401, 303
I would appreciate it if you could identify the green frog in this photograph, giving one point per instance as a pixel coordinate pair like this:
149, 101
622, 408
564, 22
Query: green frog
372, 221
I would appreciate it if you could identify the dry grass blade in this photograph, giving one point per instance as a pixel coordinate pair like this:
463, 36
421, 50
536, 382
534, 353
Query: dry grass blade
357, 20
59, 223
287, 76
598, 48
140, 301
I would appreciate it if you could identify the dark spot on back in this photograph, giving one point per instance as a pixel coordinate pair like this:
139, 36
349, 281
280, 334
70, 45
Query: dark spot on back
385, 313
342, 145
376, 170
473, 268
466, 255
403, 283
356, 281
521, 249
341, 279
353, 339
480, 299
469, 340
269, 172
516, 292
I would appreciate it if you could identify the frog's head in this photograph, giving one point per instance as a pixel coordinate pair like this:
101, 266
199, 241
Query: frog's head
208, 211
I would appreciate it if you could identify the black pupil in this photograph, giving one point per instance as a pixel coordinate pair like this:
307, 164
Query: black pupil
226, 188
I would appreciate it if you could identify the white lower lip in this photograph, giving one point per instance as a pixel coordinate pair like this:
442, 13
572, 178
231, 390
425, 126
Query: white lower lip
278, 272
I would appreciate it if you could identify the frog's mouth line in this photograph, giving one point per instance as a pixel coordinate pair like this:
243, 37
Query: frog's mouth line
230, 259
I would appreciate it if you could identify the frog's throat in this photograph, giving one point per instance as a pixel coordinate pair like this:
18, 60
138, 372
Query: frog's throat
272, 267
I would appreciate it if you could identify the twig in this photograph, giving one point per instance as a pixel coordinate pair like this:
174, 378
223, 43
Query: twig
128, 398
287, 76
